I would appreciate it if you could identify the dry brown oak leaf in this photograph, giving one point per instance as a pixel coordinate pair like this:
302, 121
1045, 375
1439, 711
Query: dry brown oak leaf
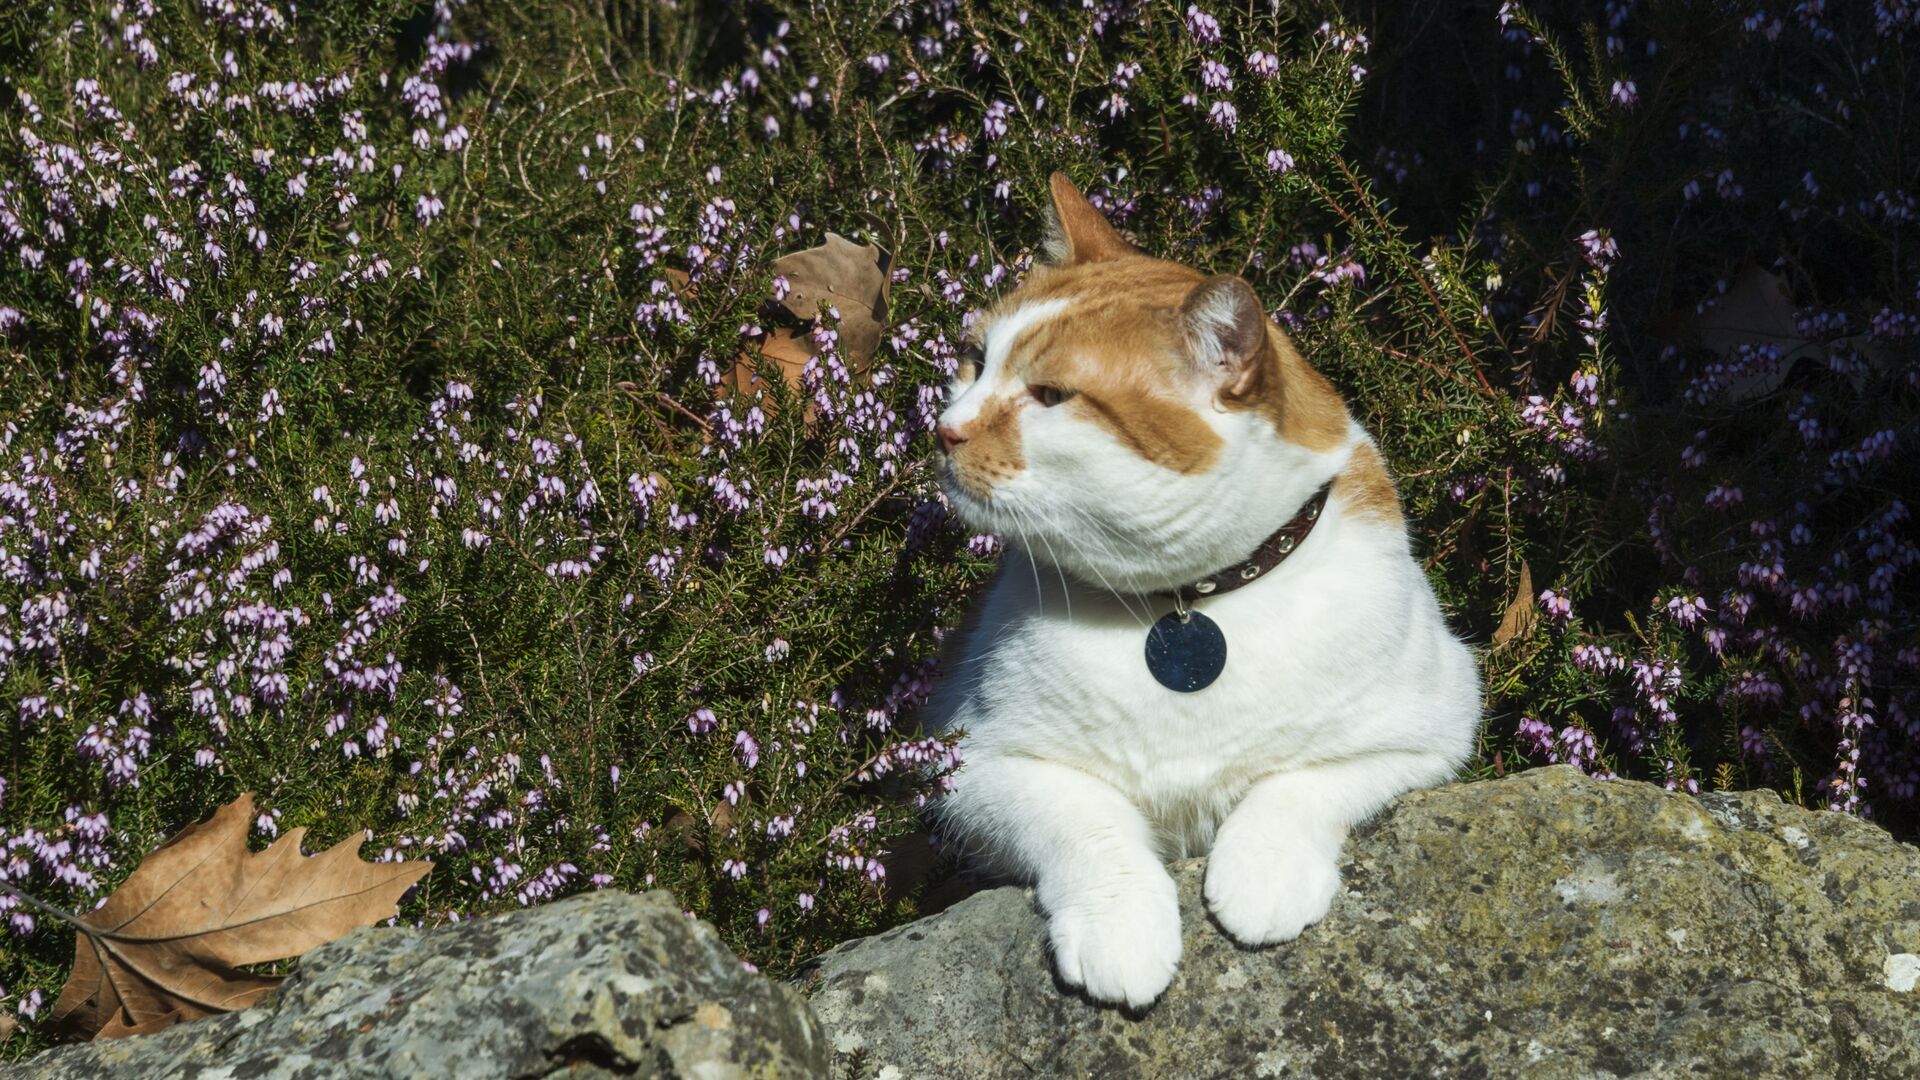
1756, 310
850, 278
168, 944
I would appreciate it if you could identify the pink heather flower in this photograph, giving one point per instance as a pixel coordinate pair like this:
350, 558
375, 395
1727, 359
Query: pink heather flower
1204, 27
1687, 611
1347, 271
1624, 93
1725, 497
1263, 64
1558, 608
995, 123
1598, 248
701, 721
1279, 161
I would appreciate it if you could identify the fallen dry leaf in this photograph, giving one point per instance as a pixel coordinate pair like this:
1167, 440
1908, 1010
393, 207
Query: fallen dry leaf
682, 825
168, 944
7, 1024
1756, 311
1521, 613
790, 349
852, 279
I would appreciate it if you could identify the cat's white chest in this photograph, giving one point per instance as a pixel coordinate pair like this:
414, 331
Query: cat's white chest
1060, 673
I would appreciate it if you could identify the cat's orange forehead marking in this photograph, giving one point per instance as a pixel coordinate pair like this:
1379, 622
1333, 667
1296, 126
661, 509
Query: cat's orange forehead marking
1138, 294
1114, 345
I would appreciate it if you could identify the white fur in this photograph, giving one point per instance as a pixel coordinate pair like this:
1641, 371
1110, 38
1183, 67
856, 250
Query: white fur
1343, 687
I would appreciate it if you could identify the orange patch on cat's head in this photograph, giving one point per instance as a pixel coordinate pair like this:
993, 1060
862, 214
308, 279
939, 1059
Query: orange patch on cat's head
1114, 349
1135, 344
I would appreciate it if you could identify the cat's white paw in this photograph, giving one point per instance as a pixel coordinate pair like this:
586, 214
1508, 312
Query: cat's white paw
1266, 890
1122, 949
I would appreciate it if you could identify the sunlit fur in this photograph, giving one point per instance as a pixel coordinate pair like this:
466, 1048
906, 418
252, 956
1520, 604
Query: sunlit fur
1136, 426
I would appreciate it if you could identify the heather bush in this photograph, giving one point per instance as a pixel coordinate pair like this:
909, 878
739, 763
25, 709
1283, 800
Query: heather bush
1727, 557
372, 439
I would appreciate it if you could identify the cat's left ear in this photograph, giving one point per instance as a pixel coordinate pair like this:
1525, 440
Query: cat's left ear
1076, 231
1225, 329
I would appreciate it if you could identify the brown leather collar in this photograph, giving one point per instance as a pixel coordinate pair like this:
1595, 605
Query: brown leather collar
1271, 553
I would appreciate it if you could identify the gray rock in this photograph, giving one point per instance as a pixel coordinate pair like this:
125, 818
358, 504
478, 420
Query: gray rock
606, 984
1541, 926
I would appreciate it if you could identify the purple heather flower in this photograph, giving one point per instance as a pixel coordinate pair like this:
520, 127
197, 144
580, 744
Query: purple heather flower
1598, 248
1204, 28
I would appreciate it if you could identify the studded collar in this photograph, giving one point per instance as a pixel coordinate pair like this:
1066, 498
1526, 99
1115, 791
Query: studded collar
1271, 553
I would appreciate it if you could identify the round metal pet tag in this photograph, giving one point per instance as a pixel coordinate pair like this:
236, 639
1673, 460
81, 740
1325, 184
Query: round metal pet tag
1186, 654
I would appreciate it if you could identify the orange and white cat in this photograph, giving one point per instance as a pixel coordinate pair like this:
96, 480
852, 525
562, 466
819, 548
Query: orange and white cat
1130, 427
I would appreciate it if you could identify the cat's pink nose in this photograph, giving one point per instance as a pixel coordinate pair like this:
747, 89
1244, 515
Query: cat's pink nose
949, 438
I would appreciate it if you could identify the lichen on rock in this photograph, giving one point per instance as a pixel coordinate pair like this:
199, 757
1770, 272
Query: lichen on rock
606, 984
1545, 925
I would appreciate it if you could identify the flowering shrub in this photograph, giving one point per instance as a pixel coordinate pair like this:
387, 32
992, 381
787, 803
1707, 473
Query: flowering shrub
374, 437
364, 449
1722, 524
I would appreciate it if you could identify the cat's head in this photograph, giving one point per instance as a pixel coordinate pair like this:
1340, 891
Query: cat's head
1132, 420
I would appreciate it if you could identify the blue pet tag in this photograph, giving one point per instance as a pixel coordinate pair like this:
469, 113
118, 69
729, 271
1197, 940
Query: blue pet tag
1186, 654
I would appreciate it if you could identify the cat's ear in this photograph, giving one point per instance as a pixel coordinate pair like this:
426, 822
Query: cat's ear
1225, 329
1076, 232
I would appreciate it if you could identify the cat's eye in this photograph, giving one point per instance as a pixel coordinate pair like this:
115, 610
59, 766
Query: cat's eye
972, 359
1048, 396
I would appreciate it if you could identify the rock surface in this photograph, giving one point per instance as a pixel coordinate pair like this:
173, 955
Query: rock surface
1545, 925
606, 984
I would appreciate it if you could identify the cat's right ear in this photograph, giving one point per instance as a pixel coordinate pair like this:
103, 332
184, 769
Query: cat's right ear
1225, 329
1076, 232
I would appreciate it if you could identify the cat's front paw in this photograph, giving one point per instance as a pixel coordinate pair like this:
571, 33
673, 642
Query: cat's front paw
1265, 891
1122, 948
